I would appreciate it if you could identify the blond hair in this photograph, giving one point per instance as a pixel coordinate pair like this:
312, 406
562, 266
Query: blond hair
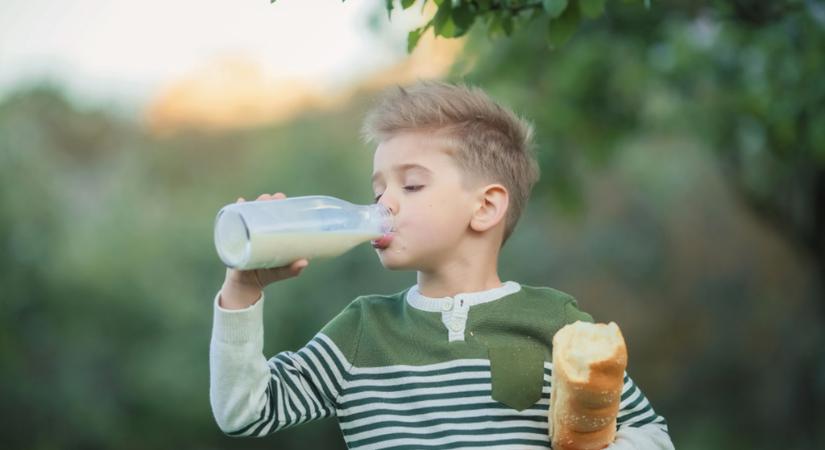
489, 142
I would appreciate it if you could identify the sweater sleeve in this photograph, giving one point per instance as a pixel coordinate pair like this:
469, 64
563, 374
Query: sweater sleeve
255, 396
639, 427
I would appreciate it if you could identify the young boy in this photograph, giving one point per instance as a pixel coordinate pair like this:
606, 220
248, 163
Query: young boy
460, 360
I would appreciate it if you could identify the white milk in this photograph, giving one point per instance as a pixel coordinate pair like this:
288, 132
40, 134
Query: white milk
278, 249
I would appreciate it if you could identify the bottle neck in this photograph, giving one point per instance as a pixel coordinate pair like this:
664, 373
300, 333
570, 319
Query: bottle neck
379, 218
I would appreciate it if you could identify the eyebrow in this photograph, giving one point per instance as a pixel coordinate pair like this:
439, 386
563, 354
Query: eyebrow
401, 168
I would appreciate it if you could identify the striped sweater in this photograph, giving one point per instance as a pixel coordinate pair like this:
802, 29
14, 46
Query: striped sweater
406, 371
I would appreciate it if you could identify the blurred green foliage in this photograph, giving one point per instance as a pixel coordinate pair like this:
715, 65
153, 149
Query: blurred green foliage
680, 147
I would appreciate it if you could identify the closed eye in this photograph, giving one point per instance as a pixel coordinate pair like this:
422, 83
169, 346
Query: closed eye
406, 188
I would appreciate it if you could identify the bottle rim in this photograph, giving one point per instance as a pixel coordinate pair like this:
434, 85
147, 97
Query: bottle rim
232, 261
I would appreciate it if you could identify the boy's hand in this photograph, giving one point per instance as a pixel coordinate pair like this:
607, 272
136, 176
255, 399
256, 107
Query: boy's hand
242, 288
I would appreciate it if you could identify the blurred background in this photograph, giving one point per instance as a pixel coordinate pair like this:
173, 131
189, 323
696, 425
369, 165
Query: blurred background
682, 195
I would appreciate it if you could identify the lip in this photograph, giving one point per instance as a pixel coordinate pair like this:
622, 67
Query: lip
383, 242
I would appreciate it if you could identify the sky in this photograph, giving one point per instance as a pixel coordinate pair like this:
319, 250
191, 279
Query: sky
124, 51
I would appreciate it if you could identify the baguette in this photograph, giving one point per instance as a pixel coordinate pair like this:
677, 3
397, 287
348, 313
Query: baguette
589, 361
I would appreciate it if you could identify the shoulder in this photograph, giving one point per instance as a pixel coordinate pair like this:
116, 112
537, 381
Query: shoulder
381, 300
354, 313
546, 293
560, 302
345, 329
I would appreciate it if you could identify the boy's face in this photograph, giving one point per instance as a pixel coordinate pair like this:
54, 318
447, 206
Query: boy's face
415, 178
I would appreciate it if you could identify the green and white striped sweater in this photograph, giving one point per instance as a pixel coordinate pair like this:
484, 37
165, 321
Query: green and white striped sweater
405, 371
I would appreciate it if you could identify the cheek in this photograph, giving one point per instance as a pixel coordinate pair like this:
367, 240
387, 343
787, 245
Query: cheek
438, 221
433, 217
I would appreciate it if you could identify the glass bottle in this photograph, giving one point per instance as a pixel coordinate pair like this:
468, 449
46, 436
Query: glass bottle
273, 233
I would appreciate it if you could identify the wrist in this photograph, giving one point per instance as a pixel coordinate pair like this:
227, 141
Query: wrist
237, 295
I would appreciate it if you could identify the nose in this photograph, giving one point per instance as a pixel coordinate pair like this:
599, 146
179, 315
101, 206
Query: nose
389, 202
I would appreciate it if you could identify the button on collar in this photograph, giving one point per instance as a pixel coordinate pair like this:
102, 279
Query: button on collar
447, 304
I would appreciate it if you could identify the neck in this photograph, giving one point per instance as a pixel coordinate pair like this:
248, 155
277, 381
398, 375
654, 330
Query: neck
460, 275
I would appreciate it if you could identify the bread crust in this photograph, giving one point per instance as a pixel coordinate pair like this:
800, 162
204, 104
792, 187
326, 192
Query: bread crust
583, 410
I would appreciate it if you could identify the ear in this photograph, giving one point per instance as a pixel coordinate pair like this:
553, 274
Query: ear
491, 208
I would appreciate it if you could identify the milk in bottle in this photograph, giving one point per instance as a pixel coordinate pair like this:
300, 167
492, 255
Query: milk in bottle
273, 233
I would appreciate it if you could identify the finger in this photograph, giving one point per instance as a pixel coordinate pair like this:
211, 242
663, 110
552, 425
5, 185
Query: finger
263, 197
279, 195
239, 200
296, 267
290, 270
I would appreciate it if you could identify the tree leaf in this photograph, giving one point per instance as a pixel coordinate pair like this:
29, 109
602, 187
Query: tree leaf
441, 22
592, 8
494, 25
407, 3
413, 37
389, 6
463, 17
507, 24
554, 8
560, 29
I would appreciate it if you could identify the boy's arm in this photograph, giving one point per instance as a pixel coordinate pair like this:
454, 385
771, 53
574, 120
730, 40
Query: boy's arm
639, 427
253, 396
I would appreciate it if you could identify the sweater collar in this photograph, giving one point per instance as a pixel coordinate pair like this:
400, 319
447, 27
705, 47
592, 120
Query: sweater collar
433, 304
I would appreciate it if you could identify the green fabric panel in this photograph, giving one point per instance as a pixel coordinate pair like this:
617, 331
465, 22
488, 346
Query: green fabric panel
517, 374
345, 329
573, 313
396, 333
381, 330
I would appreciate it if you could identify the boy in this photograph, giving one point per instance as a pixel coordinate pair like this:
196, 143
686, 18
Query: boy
460, 360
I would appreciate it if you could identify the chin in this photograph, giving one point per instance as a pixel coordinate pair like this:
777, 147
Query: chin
393, 262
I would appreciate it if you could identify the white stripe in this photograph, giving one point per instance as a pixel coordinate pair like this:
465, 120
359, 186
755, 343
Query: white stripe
450, 439
329, 363
485, 386
282, 406
309, 361
308, 378
649, 413
317, 403
296, 395
329, 404
510, 447
269, 422
441, 415
447, 427
382, 370
337, 351
438, 403
279, 405
278, 418
265, 419
629, 400
638, 418
479, 374
482, 376
628, 385
422, 368
295, 401
642, 405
